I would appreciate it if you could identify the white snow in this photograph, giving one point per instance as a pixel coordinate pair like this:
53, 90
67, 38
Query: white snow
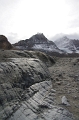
66, 44
63, 42
51, 48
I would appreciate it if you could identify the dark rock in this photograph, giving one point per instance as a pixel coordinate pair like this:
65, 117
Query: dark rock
57, 79
60, 75
4, 43
43, 106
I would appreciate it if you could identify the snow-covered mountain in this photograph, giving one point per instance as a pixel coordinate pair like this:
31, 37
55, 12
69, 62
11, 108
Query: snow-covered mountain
68, 45
38, 42
61, 35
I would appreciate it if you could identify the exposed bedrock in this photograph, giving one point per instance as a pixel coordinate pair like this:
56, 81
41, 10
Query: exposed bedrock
26, 92
19, 74
39, 104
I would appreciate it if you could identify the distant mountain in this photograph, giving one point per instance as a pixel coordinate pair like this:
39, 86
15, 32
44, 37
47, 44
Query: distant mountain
61, 35
4, 43
38, 42
68, 45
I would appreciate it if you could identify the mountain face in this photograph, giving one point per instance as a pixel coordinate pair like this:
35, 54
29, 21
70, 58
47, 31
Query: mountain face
38, 42
4, 43
68, 45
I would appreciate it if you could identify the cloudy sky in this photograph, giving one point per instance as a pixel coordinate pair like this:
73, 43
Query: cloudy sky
20, 19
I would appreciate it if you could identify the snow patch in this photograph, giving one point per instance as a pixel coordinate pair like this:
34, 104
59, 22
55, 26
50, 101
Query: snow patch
51, 48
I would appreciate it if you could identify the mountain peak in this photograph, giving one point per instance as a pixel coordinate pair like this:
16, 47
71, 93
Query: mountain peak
38, 42
68, 45
38, 37
65, 37
39, 34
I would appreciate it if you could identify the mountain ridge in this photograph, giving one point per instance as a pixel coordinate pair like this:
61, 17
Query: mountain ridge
38, 42
68, 45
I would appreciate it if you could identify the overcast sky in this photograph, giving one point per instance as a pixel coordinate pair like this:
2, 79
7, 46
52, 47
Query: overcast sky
20, 19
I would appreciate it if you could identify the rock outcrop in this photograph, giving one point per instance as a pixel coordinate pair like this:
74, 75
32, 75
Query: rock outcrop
26, 91
19, 74
4, 43
40, 105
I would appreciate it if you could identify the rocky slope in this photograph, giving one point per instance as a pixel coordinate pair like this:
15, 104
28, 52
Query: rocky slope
26, 89
68, 45
4, 43
38, 42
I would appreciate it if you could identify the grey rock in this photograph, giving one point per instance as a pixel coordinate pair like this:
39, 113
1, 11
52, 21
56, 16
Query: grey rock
39, 107
65, 101
18, 74
8, 110
26, 92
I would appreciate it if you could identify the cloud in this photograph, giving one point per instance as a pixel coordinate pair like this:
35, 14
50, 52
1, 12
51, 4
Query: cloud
74, 23
23, 18
70, 36
73, 36
12, 37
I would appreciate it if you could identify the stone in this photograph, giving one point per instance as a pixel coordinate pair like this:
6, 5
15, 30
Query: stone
57, 79
60, 75
59, 83
65, 101
53, 91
